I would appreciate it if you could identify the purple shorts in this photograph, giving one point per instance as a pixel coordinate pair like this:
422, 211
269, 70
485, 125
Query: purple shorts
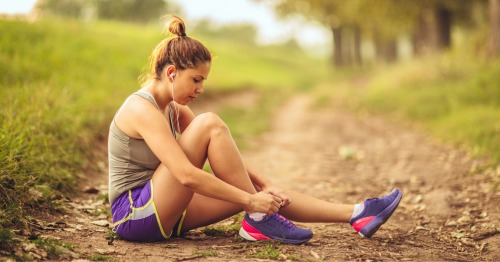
135, 217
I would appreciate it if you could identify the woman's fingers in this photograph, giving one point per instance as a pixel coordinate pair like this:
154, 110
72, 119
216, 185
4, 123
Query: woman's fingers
286, 202
265, 203
284, 199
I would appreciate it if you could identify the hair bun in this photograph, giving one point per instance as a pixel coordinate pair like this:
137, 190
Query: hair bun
176, 26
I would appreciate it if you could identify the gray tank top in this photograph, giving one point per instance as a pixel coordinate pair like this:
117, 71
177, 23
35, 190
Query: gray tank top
131, 161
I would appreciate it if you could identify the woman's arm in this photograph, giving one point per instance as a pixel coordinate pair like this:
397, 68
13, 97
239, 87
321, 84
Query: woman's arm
186, 116
258, 181
267, 186
262, 184
154, 129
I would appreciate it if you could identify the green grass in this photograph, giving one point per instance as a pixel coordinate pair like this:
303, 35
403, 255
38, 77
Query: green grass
63, 80
99, 257
247, 122
454, 96
6, 237
219, 230
269, 251
52, 247
244, 65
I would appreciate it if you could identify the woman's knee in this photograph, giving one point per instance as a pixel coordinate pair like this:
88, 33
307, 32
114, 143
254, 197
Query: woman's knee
213, 123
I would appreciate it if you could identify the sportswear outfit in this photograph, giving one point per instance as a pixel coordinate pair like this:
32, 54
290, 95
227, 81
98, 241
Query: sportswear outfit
131, 167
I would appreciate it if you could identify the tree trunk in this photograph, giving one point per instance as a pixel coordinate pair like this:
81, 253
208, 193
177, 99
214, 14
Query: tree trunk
385, 48
347, 47
494, 34
357, 46
390, 50
420, 36
433, 32
337, 46
443, 28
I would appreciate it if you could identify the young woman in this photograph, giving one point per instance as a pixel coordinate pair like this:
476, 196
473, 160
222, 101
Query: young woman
156, 183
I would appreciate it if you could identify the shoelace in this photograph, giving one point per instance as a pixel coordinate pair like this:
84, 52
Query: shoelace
283, 221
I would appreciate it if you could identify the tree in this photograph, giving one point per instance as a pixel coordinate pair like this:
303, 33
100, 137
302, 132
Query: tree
351, 21
141, 11
435, 20
494, 34
66, 8
332, 14
428, 22
129, 10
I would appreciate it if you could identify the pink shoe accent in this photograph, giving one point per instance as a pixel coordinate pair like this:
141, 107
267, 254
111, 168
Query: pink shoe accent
253, 232
358, 225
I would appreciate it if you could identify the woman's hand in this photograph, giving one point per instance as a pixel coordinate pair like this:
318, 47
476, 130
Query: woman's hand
263, 202
276, 191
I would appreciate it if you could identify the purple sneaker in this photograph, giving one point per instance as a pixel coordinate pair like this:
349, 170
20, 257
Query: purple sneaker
375, 213
274, 227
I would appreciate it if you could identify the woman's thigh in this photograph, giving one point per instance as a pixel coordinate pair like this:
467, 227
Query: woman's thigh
203, 211
171, 198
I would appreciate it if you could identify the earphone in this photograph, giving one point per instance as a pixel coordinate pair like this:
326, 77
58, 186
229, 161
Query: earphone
172, 125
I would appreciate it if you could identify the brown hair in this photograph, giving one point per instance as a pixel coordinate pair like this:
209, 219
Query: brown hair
181, 51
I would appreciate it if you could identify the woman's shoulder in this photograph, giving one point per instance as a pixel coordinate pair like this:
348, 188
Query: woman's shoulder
138, 103
135, 113
137, 107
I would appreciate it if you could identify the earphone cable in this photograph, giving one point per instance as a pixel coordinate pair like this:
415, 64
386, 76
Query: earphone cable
176, 113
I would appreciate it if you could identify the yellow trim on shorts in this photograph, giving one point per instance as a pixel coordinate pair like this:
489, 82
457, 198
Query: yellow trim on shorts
156, 214
180, 223
117, 223
150, 201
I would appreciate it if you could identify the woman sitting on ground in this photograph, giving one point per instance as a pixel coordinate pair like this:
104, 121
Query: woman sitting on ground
157, 148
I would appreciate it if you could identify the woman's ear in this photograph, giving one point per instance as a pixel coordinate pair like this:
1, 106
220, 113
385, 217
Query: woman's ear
170, 71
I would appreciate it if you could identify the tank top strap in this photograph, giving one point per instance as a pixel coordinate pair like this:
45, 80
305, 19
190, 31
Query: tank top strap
148, 96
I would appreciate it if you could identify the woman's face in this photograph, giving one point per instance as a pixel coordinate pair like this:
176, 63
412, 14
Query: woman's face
188, 83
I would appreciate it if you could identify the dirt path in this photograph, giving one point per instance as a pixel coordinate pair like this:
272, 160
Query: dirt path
335, 155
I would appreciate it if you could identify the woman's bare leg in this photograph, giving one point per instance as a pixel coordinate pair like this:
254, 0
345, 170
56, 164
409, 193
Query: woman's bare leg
208, 137
203, 211
305, 208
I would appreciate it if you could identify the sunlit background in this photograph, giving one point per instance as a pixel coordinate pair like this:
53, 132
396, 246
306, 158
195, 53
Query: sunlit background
67, 65
271, 29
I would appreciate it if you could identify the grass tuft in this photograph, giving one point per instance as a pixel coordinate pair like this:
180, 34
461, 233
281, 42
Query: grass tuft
269, 251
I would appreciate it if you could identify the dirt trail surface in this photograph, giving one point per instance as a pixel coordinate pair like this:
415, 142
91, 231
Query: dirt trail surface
332, 154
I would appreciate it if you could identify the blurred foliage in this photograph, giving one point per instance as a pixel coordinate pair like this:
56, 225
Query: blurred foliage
68, 8
241, 32
128, 10
131, 10
428, 24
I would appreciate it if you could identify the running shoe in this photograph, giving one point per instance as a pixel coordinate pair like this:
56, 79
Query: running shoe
274, 227
375, 213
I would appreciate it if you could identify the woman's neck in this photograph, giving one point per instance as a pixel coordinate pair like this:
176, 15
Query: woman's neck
160, 92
